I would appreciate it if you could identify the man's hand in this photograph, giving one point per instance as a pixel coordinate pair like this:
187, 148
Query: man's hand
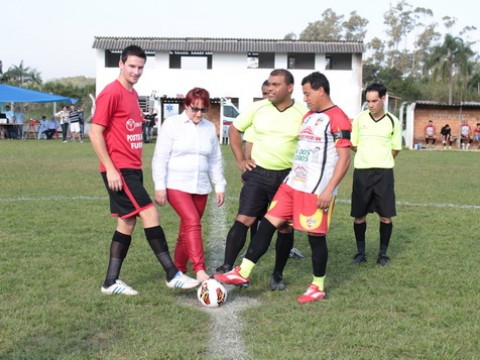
114, 180
246, 165
324, 200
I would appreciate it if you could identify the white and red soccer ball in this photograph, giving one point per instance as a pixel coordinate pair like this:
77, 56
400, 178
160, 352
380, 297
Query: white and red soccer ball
211, 293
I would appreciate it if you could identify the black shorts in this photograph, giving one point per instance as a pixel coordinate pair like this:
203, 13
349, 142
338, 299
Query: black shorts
133, 198
373, 191
259, 187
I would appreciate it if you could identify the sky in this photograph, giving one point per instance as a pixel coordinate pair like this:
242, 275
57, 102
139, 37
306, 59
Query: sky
55, 37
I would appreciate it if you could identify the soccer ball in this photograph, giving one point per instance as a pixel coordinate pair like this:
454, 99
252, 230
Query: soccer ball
211, 293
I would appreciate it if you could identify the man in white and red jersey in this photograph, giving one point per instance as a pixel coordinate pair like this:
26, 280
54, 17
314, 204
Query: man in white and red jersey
116, 137
307, 195
430, 135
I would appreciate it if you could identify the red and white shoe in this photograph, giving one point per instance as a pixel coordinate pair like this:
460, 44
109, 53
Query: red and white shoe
313, 293
232, 277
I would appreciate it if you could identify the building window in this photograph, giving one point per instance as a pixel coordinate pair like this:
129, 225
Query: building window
301, 61
112, 58
338, 62
192, 60
260, 60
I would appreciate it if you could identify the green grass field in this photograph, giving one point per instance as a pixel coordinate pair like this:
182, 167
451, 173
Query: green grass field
55, 232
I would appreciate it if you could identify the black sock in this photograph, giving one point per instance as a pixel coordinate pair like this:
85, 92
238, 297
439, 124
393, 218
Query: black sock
385, 234
118, 251
156, 239
261, 241
359, 230
235, 241
282, 252
253, 228
319, 247
114, 266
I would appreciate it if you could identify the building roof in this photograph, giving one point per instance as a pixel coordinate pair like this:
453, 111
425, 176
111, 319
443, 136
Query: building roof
426, 103
150, 44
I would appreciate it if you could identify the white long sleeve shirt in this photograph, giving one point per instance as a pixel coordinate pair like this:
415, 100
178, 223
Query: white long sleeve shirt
187, 157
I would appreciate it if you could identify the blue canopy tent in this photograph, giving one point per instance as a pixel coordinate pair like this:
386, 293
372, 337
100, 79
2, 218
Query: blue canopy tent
13, 94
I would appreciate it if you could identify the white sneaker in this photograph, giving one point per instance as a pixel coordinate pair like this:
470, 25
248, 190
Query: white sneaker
119, 288
182, 281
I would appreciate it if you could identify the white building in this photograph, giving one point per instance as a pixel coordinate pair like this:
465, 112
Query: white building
235, 68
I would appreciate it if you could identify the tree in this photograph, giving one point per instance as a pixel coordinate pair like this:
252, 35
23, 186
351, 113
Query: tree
451, 62
355, 27
328, 28
331, 27
290, 36
423, 49
19, 75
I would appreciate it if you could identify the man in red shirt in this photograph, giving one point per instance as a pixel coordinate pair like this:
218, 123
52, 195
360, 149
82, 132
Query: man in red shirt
476, 135
116, 137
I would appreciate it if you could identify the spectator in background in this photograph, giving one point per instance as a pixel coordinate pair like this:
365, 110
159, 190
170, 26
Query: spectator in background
19, 120
465, 135
186, 160
42, 127
82, 122
10, 114
74, 119
447, 139
430, 135
52, 126
149, 122
476, 135
64, 122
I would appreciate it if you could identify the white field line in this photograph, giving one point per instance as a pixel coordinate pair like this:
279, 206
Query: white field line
438, 205
226, 340
229, 198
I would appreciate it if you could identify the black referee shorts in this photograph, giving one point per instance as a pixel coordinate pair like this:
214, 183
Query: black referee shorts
259, 187
133, 198
373, 191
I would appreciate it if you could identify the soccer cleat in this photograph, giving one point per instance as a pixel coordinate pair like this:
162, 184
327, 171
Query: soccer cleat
119, 288
277, 283
233, 277
359, 258
313, 293
295, 254
383, 260
182, 281
222, 269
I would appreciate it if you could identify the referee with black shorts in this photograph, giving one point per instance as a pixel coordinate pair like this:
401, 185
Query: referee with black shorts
377, 139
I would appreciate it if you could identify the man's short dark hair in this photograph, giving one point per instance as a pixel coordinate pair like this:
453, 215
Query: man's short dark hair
380, 88
287, 75
133, 50
317, 80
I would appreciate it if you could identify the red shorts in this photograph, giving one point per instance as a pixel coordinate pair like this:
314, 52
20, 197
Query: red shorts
301, 208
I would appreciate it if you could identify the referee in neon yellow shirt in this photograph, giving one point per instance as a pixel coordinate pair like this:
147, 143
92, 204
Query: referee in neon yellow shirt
273, 125
377, 139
